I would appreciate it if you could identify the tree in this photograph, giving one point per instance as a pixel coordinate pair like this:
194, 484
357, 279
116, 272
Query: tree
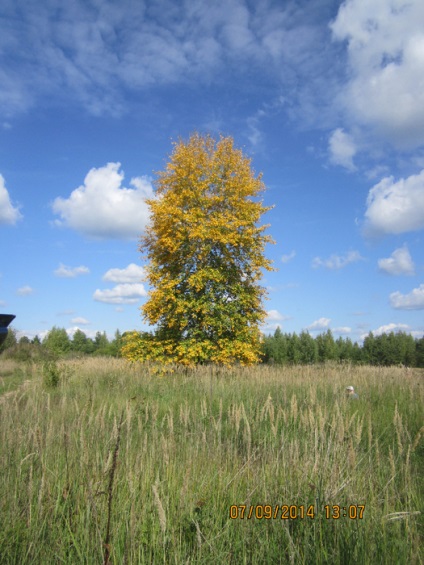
10, 340
274, 348
57, 341
327, 349
369, 350
308, 349
407, 345
115, 344
419, 352
81, 343
293, 349
205, 253
101, 343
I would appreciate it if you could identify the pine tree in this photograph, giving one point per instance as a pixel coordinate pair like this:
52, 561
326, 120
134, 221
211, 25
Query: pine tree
205, 253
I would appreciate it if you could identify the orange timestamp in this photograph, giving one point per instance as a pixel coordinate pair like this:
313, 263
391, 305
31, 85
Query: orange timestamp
294, 512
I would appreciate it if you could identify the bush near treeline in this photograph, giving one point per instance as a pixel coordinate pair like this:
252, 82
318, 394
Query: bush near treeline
388, 349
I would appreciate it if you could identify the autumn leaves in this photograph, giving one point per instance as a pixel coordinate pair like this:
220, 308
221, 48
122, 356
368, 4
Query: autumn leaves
205, 253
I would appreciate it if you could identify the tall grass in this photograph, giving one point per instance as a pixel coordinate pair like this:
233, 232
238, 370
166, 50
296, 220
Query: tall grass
120, 465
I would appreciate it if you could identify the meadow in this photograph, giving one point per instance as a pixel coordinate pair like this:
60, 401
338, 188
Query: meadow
106, 462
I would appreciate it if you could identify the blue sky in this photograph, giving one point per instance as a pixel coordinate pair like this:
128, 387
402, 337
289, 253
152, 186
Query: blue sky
326, 97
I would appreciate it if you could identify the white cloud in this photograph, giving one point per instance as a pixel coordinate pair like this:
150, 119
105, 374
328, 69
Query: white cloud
417, 334
95, 57
81, 57
391, 328
131, 274
385, 88
399, 263
70, 272
411, 301
288, 257
342, 149
320, 324
25, 291
91, 334
9, 214
254, 135
335, 262
65, 313
271, 321
274, 315
395, 207
127, 293
128, 290
342, 330
81, 321
270, 328
102, 208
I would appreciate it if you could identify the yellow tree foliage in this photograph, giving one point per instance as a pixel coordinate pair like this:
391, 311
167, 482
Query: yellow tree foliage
205, 253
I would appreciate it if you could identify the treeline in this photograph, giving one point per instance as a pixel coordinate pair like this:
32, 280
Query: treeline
386, 349
57, 343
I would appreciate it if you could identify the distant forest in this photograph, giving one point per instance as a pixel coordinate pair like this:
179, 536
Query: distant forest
57, 343
386, 349
281, 348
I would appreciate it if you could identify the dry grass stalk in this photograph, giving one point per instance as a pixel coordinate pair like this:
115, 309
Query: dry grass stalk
30, 492
159, 506
417, 439
106, 560
401, 515
248, 433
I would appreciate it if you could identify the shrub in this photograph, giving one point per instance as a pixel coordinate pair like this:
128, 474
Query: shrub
51, 374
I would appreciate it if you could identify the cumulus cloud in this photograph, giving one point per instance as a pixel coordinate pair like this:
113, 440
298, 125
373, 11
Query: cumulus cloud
335, 262
88, 333
288, 257
9, 214
385, 46
128, 290
399, 263
80, 321
104, 209
269, 328
25, 291
126, 293
70, 272
395, 207
131, 274
342, 330
320, 324
274, 315
342, 149
272, 320
391, 328
414, 300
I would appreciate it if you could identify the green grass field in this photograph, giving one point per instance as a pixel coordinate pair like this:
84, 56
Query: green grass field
118, 464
